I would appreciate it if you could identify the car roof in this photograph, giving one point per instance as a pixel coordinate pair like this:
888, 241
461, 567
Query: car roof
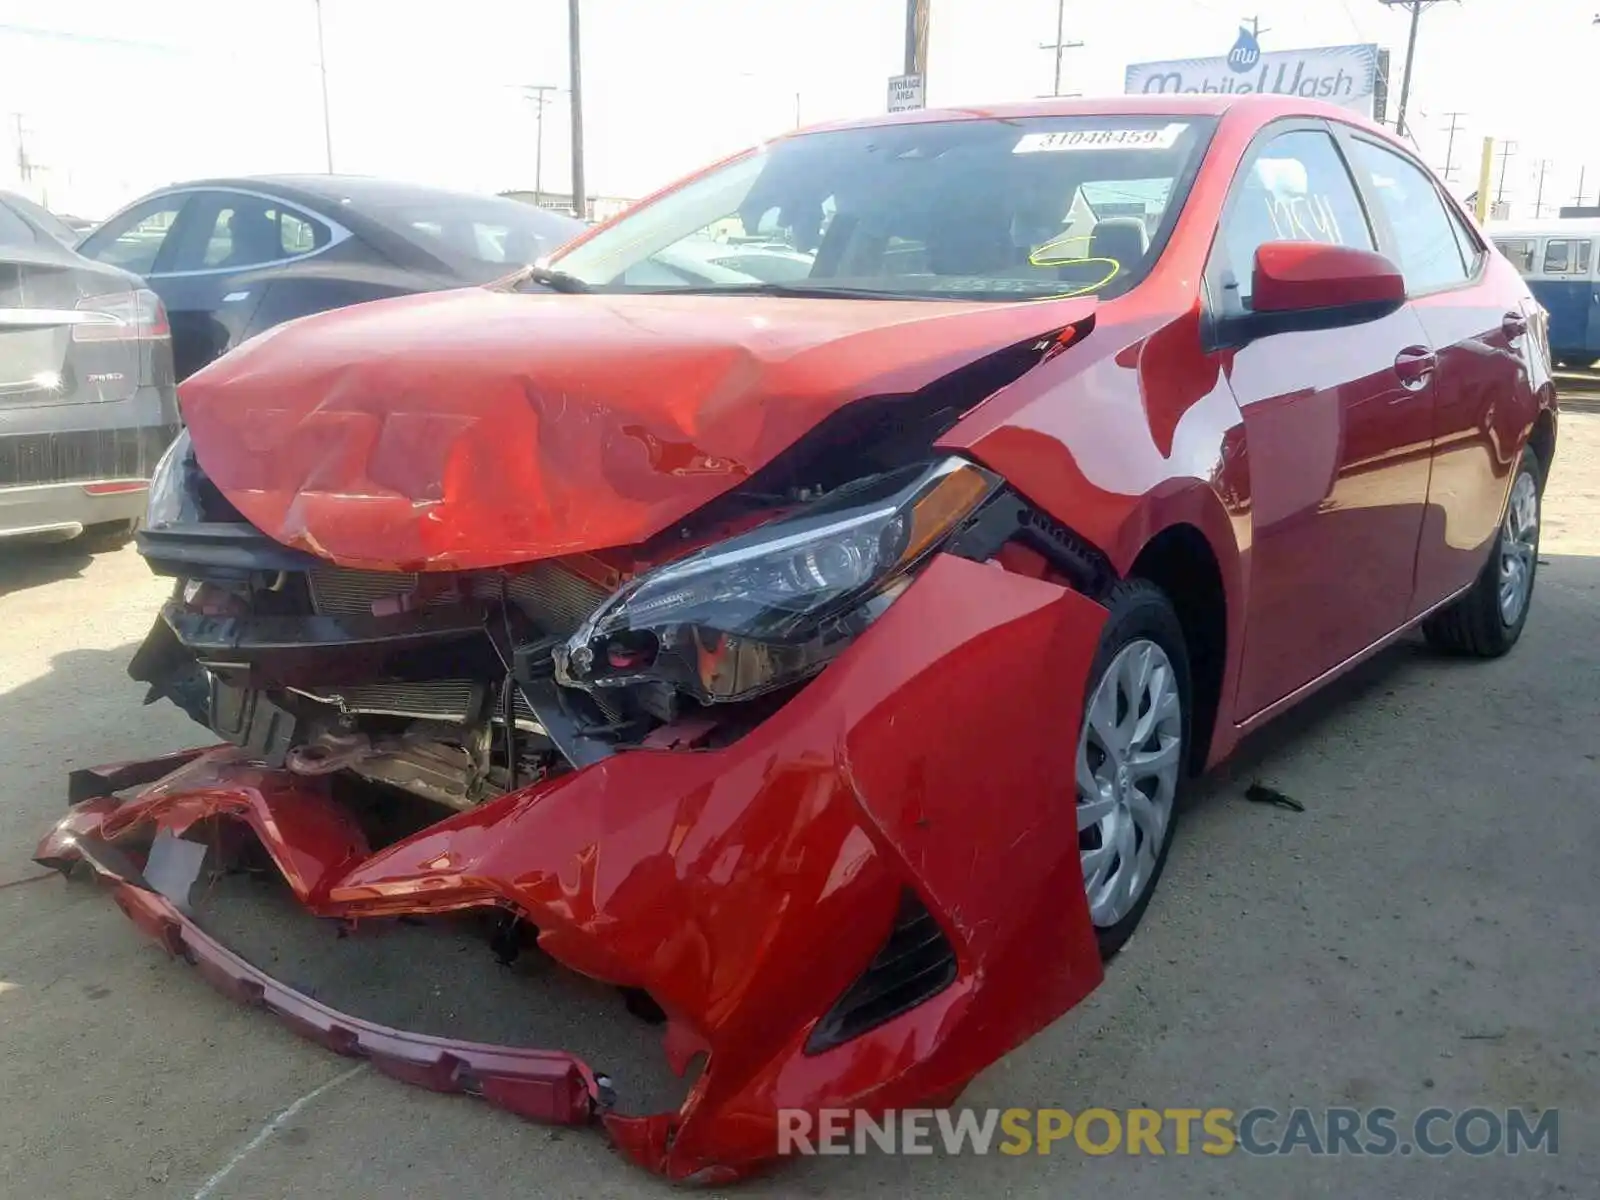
358, 189
1263, 107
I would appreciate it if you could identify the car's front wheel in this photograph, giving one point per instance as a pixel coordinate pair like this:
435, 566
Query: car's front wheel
1488, 620
1131, 758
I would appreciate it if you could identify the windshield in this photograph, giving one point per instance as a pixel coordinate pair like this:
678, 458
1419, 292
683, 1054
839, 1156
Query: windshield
492, 231
979, 209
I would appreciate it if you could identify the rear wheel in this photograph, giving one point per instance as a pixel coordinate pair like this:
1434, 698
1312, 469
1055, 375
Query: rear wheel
1130, 758
1488, 620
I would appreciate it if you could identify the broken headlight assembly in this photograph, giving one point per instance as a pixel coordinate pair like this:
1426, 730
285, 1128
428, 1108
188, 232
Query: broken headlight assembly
775, 605
171, 500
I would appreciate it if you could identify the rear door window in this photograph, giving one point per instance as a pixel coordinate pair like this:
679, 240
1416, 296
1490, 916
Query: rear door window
250, 231
1427, 245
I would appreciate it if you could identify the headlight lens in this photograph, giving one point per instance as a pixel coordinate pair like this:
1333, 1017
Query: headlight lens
778, 603
170, 499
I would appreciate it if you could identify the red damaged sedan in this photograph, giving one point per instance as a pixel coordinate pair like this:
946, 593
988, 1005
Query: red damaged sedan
820, 660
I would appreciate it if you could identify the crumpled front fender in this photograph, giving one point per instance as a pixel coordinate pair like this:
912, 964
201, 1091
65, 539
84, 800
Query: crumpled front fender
745, 888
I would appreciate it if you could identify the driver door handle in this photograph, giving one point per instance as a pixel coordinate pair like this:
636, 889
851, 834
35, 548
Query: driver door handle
1514, 325
1415, 366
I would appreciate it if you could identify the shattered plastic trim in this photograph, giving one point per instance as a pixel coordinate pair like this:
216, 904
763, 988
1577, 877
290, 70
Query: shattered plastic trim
743, 888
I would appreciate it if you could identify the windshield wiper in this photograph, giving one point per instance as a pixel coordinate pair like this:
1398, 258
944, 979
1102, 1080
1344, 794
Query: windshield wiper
556, 281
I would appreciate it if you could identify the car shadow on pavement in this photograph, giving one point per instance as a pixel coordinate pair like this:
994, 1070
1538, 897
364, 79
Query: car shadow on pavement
28, 564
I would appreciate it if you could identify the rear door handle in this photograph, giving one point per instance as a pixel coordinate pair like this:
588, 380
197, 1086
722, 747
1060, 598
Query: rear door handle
1415, 366
1514, 325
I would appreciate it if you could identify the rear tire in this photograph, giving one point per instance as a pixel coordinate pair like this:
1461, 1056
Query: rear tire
1488, 620
1132, 750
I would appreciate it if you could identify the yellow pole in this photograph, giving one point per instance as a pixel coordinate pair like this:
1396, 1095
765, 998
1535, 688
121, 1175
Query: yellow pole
1485, 176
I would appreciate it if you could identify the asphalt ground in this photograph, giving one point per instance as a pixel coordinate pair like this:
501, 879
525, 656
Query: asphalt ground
1423, 934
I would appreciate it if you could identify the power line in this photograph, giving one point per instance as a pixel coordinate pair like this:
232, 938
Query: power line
1060, 45
1351, 17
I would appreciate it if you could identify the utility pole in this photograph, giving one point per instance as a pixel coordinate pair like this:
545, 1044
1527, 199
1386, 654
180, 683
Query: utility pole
1582, 171
580, 195
322, 70
538, 93
917, 39
1416, 8
1255, 27
1507, 149
1060, 45
1450, 146
24, 164
797, 110
1538, 195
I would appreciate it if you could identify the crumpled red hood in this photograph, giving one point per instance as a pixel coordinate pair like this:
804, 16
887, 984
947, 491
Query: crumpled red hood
470, 429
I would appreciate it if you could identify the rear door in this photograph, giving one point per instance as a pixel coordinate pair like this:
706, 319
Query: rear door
1336, 431
1475, 309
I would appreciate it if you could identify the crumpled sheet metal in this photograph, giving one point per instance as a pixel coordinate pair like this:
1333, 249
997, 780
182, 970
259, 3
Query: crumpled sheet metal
746, 887
473, 429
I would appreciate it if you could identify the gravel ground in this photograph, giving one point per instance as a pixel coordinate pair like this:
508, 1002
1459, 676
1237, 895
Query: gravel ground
1423, 934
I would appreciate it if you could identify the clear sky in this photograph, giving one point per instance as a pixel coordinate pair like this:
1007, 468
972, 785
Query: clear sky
118, 97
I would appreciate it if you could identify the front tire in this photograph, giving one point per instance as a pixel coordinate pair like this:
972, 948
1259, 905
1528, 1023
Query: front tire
1131, 758
1488, 620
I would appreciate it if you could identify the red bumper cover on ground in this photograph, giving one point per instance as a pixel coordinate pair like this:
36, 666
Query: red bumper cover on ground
743, 888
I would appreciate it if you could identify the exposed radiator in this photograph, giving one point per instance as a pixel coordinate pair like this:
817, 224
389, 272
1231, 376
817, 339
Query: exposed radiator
341, 592
434, 700
556, 598
450, 700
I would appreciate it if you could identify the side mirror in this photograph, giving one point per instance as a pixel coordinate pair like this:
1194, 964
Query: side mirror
1300, 286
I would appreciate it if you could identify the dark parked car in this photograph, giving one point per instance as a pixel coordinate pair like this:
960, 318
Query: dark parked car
87, 403
231, 257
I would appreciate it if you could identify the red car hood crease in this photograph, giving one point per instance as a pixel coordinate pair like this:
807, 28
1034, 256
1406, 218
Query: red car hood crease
472, 429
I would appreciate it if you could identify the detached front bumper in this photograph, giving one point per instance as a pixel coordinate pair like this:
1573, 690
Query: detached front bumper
759, 892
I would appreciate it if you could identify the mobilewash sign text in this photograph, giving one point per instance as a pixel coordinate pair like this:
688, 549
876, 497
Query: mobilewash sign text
1343, 75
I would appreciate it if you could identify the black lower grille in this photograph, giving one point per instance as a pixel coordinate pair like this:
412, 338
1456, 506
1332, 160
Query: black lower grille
915, 964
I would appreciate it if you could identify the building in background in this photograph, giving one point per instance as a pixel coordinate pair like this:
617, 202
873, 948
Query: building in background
601, 208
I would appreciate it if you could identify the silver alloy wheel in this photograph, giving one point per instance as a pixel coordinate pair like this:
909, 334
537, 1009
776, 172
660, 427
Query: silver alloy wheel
1519, 546
1129, 753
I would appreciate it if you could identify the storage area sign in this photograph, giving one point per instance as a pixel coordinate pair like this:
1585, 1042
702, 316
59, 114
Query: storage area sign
1343, 75
905, 93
